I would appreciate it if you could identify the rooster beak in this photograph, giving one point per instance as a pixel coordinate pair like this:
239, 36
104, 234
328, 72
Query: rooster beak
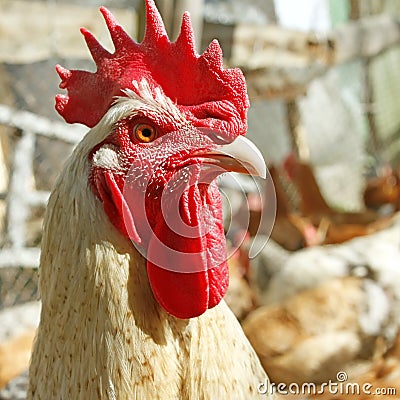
241, 155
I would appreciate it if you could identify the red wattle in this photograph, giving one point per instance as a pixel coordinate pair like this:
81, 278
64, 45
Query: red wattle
188, 272
182, 295
186, 251
114, 204
188, 295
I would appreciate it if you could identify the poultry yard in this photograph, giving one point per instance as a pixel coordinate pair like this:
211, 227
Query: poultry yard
315, 249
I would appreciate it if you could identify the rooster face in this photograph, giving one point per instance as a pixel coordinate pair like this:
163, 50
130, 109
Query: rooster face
154, 175
176, 121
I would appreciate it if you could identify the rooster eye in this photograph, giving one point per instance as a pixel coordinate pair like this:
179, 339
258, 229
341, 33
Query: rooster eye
145, 133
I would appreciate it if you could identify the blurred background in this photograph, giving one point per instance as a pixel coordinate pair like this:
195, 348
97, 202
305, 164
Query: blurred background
324, 85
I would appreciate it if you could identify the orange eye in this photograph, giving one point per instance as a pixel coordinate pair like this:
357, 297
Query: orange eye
145, 133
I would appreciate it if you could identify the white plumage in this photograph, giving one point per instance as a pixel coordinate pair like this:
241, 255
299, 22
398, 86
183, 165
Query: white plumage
102, 335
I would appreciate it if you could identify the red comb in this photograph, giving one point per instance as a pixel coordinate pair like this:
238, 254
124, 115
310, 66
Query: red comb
208, 94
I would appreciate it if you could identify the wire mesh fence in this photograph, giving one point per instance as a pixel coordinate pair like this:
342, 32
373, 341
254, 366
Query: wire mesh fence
18, 285
29, 176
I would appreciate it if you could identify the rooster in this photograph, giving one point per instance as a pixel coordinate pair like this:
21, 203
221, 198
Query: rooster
133, 267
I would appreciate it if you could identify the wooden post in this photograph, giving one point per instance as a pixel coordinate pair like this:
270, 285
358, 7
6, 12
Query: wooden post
20, 179
355, 9
195, 8
296, 132
171, 12
369, 104
141, 24
166, 8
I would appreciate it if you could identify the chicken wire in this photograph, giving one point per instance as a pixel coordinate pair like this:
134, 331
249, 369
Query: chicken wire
30, 175
333, 119
18, 285
34, 143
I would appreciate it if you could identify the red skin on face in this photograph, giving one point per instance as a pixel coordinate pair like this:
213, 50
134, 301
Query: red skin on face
178, 222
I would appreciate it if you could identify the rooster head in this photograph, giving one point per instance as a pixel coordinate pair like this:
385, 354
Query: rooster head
175, 120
